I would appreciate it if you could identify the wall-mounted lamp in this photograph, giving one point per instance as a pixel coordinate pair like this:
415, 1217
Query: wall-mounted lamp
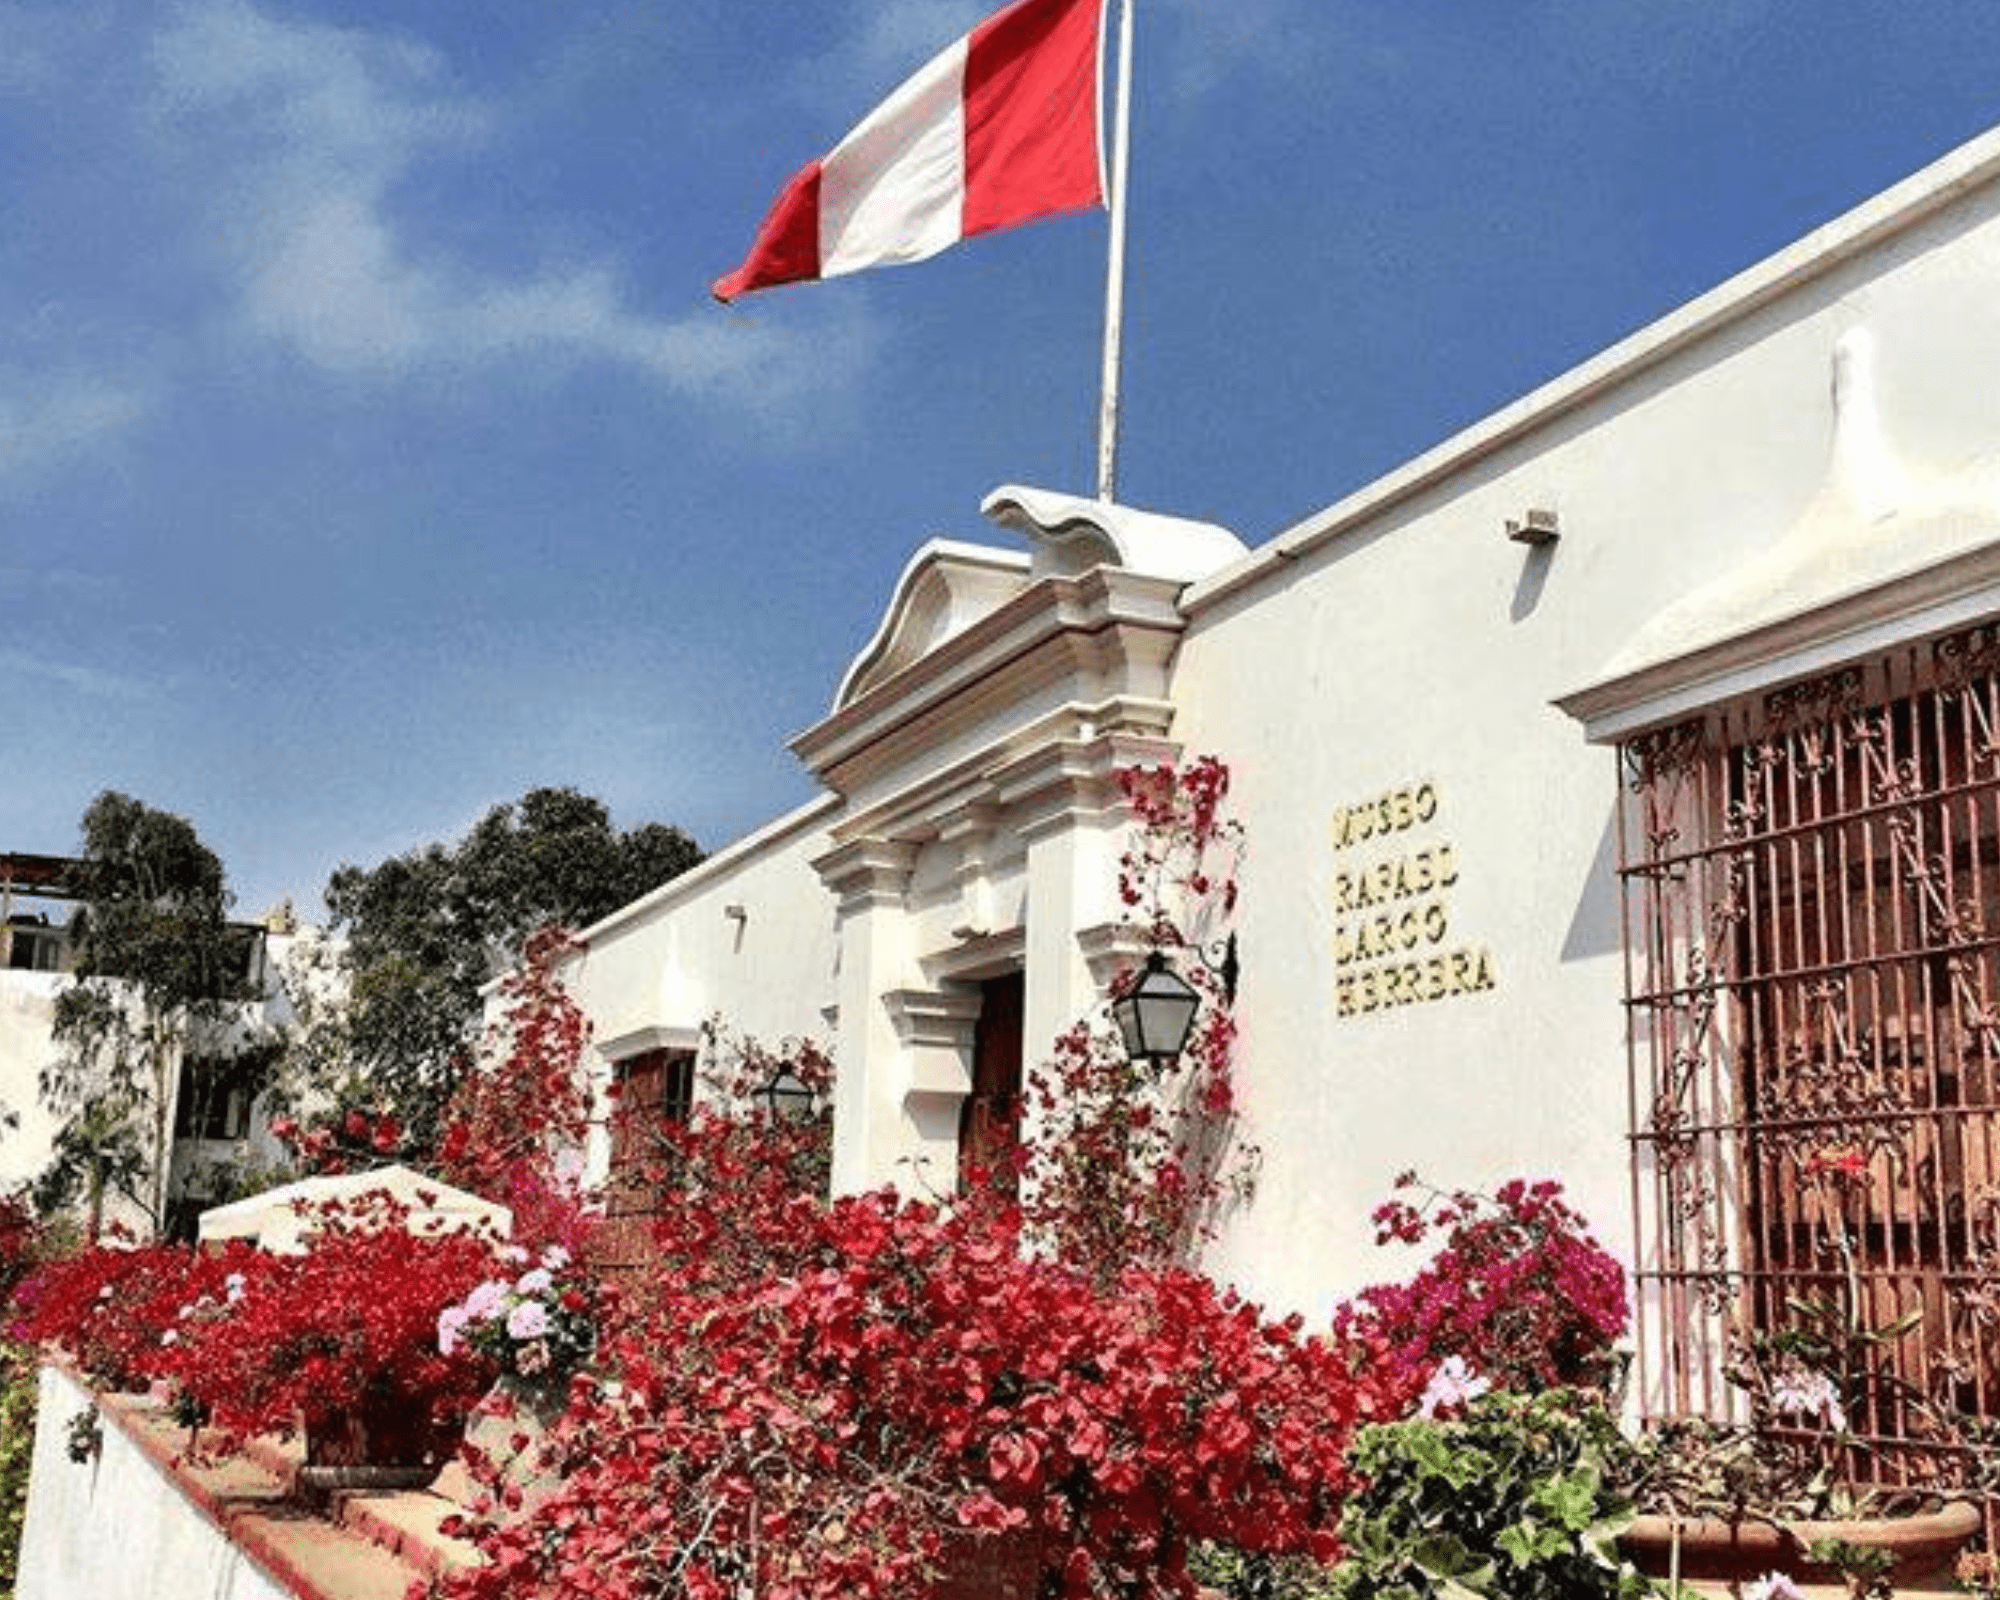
1534, 527
1156, 1014
787, 1097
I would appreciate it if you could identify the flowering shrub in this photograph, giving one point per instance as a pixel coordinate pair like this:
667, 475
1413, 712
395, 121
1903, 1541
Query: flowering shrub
21, 1242
346, 1330
343, 1138
819, 1433
1129, 1169
526, 1104
539, 1326
1520, 1293
112, 1305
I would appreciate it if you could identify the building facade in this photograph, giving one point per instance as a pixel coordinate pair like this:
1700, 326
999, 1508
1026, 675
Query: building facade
1621, 785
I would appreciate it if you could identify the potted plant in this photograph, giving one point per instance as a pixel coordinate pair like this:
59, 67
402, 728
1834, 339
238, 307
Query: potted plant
340, 1342
535, 1329
1785, 1493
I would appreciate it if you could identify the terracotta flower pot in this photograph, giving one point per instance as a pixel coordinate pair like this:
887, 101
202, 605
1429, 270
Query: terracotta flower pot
1712, 1547
383, 1448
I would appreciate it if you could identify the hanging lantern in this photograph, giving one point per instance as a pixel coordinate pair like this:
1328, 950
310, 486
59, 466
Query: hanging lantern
1156, 1015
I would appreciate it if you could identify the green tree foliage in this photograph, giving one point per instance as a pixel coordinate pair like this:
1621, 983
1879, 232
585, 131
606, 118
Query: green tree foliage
18, 1386
427, 929
158, 965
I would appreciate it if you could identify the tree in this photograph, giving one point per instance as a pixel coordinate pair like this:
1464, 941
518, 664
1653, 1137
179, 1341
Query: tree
159, 965
428, 929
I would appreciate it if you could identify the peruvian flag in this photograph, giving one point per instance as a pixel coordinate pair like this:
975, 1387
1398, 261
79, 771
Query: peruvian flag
998, 130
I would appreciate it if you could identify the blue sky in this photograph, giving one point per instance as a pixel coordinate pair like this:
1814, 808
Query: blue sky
370, 451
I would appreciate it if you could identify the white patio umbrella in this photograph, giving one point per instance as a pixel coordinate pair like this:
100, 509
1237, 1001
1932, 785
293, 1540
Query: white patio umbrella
282, 1220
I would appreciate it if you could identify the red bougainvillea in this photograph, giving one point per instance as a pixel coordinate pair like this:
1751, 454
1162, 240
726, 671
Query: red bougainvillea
1128, 1167
347, 1328
270, 1343
342, 1138
109, 1306
915, 1382
1520, 1291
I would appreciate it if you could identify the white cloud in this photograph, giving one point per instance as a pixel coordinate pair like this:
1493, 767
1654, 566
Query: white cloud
91, 682
328, 266
45, 418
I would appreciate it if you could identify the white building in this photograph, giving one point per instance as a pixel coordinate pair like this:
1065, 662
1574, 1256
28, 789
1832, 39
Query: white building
1673, 690
213, 1119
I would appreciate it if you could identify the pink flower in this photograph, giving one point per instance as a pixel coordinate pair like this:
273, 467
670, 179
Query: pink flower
451, 1329
533, 1357
487, 1301
529, 1320
1453, 1387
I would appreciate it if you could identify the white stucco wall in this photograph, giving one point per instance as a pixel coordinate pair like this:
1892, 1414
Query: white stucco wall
1397, 640
27, 1012
1402, 638
116, 1528
654, 972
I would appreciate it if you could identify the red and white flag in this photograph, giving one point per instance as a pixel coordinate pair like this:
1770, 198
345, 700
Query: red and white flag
999, 129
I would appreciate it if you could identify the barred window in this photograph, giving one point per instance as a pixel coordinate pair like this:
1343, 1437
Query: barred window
1812, 908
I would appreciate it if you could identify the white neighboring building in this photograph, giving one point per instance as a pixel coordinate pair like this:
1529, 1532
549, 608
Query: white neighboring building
1682, 677
214, 1125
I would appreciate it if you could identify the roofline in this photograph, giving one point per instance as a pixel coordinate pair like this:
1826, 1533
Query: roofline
722, 862
1895, 210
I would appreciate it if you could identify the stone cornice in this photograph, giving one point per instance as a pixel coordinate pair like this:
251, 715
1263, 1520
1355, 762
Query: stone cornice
1070, 757
1934, 599
933, 1016
867, 872
1109, 948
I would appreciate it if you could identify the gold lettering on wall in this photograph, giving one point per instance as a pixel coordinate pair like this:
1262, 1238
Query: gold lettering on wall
1392, 907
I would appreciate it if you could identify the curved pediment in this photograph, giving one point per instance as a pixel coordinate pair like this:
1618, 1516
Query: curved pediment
945, 589
1071, 535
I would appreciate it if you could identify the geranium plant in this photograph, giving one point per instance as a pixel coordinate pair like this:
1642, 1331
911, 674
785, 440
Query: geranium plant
1513, 1497
537, 1327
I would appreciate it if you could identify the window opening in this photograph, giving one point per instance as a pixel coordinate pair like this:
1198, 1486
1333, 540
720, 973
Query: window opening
214, 1100
1812, 902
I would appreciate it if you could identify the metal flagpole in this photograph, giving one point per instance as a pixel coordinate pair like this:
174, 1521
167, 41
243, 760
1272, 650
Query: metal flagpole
1114, 290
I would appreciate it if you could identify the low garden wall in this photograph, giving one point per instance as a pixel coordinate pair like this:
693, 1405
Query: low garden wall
118, 1526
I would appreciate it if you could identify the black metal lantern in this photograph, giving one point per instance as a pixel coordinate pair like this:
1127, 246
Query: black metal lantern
1156, 1015
787, 1097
